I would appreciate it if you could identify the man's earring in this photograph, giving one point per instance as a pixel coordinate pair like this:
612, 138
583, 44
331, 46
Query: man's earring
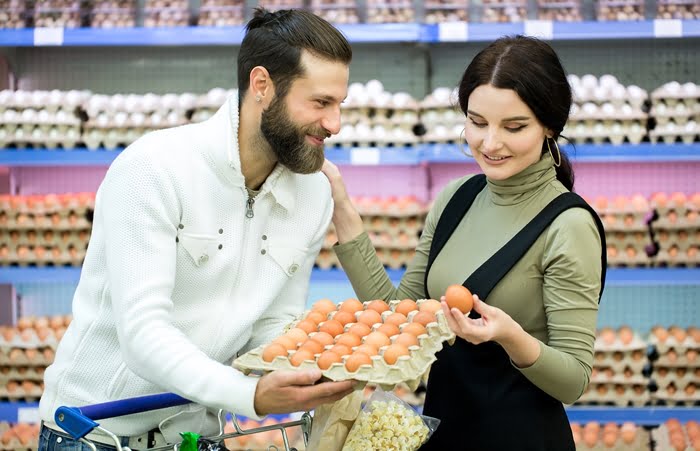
258, 99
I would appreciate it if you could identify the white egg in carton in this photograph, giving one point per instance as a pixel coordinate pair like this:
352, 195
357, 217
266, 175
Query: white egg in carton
677, 9
13, 13
220, 13
408, 369
390, 11
561, 11
332, 11
447, 11
503, 11
619, 10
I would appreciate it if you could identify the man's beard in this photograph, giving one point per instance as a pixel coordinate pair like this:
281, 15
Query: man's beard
288, 141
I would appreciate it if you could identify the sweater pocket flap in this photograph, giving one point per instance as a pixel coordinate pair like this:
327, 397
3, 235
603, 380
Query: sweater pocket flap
200, 247
289, 258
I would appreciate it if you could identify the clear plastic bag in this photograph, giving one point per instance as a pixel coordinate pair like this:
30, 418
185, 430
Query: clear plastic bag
387, 423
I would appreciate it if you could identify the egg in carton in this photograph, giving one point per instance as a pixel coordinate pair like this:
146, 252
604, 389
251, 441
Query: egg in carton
672, 435
687, 395
611, 437
679, 376
607, 375
674, 338
385, 369
681, 239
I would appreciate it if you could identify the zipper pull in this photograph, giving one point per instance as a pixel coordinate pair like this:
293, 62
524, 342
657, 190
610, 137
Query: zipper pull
249, 208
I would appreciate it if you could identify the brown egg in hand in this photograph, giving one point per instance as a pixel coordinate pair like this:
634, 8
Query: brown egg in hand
459, 297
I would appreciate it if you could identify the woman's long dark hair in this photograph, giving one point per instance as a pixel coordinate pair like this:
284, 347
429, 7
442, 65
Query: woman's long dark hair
532, 69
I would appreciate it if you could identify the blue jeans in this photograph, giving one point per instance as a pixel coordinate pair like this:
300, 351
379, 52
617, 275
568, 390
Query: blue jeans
50, 440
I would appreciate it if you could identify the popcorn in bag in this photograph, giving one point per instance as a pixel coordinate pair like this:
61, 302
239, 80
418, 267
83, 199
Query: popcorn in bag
387, 423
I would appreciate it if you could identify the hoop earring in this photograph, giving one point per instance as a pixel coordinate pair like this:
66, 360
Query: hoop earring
460, 143
557, 164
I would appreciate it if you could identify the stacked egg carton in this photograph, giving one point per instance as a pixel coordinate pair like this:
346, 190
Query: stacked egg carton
677, 9
611, 437
393, 224
626, 231
438, 11
503, 11
44, 230
559, 10
267, 440
25, 352
40, 118
373, 343
113, 14
605, 110
13, 14
390, 11
677, 228
441, 117
344, 12
676, 110
275, 5
674, 436
618, 366
207, 104
221, 13
676, 371
58, 13
619, 10
373, 116
21, 436
118, 120
166, 13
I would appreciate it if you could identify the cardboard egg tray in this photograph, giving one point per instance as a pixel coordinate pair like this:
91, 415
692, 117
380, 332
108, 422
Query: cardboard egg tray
36, 357
662, 440
7, 374
681, 259
11, 441
408, 369
615, 394
32, 341
395, 258
679, 398
639, 443
671, 137
623, 239
665, 376
681, 239
21, 394
625, 222
64, 240
685, 221
327, 259
25, 222
620, 361
619, 378
672, 343
394, 226
681, 361
384, 240
640, 260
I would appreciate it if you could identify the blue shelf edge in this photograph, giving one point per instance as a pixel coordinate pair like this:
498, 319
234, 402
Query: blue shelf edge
15, 412
356, 33
372, 156
616, 276
642, 416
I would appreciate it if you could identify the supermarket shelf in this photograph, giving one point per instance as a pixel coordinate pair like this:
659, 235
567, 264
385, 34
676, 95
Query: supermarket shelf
358, 33
643, 416
25, 412
429, 153
616, 276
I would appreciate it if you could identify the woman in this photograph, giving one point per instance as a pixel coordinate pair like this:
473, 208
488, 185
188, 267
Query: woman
528, 346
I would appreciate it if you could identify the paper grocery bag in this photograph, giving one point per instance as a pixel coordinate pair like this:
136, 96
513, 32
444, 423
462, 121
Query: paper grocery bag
332, 422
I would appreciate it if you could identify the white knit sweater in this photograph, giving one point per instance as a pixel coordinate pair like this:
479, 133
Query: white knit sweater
177, 280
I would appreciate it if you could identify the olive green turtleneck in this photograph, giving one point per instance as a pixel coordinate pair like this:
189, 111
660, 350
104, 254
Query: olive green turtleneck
552, 292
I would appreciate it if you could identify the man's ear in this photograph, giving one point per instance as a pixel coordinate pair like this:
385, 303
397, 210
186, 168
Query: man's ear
261, 86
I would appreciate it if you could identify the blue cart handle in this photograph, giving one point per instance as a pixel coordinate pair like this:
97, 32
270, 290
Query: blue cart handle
79, 421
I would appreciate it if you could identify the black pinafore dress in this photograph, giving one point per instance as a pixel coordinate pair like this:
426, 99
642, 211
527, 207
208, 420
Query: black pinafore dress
482, 401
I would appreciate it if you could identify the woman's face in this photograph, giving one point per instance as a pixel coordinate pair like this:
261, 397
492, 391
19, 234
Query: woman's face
503, 133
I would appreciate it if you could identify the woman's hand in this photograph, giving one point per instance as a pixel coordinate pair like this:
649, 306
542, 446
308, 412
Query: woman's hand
338, 191
347, 221
493, 325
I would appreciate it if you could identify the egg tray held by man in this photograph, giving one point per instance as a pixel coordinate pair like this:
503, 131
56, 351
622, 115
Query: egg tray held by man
373, 342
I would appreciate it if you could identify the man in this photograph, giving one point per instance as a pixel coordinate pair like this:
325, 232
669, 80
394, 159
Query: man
203, 243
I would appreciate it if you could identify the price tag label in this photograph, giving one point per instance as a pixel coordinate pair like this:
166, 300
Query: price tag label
364, 156
48, 36
28, 415
453, 32
542, 29
668, 28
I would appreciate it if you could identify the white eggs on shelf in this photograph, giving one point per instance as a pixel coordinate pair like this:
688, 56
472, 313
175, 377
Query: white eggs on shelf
172, 119
102, 119
116, 103
608, 110
149, 102
120, 118
618, 94
374, 87
28, 116
168, 102
690, 89
137, 119
216, 96
608, 81
589, 109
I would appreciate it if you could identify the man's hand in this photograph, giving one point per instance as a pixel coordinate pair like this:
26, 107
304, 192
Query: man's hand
285, 391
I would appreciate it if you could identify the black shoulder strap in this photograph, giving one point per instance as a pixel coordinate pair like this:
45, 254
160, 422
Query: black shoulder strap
485, 278
451, 216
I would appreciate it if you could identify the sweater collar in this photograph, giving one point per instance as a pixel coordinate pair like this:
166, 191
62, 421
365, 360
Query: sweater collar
523, 185
227, 158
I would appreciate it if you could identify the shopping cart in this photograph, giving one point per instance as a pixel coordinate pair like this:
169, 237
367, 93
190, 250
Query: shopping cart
80, 421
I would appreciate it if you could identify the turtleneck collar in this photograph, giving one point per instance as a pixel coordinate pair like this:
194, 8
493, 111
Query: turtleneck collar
523, 185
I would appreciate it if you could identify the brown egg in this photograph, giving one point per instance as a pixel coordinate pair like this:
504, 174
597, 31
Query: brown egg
459, 297
388, 329
626, 335
356, 360
424, 318
430, 306
316, 316
297, 334
416, 329
332, 327
406, 339
349, 340
628, 431
690, 389
307, 326
8, 334
341, 349
673, 424
288, 343
324, 338
378, 306
678, 443
59, 333
369, 317
41, 322
351, 305
273, 350
313, 346
672, 355
25, 323
368, 349
396, 318
301, 355
607, 335
377, 339
393, 352
406, 306
67, 320
694, 333
344, 317
678, 333
327, 358
325, 306
360, 329
590, 438
609, 438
